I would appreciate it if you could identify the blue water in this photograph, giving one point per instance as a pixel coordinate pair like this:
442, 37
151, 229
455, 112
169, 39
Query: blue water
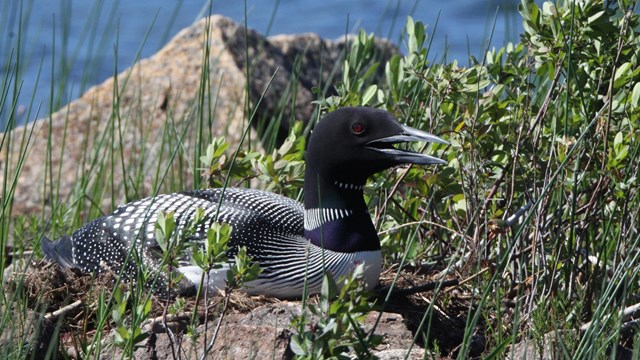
64, 49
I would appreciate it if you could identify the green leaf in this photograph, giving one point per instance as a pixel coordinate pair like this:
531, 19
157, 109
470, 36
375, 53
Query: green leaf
329, 327
369, 94
622, 75
595, 17
122, 334
635, 95
165, 226
618, 139
287, 145
296, 347
198, 259
622, 153
147, 307
372, 70
475, 86
328, 291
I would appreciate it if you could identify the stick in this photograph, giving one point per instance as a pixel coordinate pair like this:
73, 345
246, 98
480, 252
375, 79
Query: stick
626, 314
63, 310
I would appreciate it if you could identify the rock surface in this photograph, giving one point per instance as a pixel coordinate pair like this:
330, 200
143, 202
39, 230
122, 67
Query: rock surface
134, 120
264, 334
551, 346
32, 332
61, 304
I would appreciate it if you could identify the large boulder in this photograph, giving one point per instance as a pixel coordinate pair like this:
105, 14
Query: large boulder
135, 120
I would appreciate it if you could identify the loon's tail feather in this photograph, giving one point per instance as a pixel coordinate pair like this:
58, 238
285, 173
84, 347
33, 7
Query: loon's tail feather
59, 251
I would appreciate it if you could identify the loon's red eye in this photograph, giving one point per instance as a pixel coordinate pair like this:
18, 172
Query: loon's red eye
357, 128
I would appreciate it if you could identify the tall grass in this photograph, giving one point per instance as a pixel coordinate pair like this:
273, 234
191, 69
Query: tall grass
95, 182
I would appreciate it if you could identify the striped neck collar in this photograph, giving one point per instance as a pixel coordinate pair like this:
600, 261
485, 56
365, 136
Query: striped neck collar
341, 230
336, 216
314, 218
347, 186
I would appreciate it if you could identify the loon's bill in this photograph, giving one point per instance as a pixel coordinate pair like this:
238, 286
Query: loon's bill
409, 134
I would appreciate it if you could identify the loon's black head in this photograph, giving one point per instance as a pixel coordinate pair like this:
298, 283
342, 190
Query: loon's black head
353, 143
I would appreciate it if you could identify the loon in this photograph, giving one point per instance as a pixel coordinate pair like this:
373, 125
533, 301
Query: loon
291, 242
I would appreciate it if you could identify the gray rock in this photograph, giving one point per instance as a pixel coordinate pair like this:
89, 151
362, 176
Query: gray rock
161, 94
30, 335
556, 345
264, 333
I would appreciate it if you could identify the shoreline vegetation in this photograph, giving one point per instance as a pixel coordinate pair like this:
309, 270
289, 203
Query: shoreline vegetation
546, 129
